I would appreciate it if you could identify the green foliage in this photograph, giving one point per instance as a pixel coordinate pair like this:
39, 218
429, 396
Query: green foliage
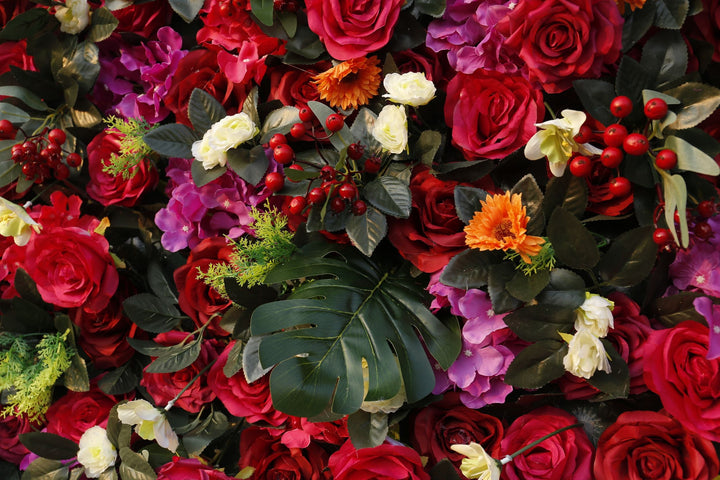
544, 260
133, 148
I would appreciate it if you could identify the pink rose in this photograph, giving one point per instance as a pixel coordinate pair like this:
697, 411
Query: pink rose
189, 468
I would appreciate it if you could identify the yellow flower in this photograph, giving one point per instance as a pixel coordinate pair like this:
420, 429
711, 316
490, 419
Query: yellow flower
501, 224
149, 422
351, 83
16, 223
478, 463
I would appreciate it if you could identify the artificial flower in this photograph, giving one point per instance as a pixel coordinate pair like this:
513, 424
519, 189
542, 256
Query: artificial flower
225, 134
477, 462
74, 16
150, 423
349, 84
586, 354
595, 314
96, 452
15, 222
412, 88
501, 224
390, 129
711, 312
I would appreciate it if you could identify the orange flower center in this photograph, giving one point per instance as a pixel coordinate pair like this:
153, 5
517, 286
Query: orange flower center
503, 229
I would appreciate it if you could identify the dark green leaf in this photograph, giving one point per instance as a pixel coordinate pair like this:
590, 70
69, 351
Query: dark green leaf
263, 10
151, 313
699, 101
367, 430
76, 376
249, 297
444, 470
49, 445
638, 170
81, 67
677, 308
467, 201
289, 23
318, 337
114, 425
234, 359
615, 384
464, 171
671, 13
434, 8
21, 316
252, 369
250, 165
188, 10
632, 78
102, 24
24, 95
573, 243
26, 24
566, 289
636, 25
468, 269
161, 284
173, 140
9, 171
569, 192
407, 34
532, 199
665, 55
537, 365
526, 287
305, 45
84, 114
541, 322
340, 139
366, 231
26, 288
9, 471
123, 379
498, 277
427, 146
596, 96
45, 469
630, 258
280, 120
176, 357
13, 114
390, 195
133, 466
202, 177
203, 111
196, 440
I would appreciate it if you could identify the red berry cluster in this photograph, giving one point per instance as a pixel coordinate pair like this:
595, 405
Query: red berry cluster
41, 156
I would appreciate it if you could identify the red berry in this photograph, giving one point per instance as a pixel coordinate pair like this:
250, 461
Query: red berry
298, 130
297, 167
334, 122
73, 160
277, 139
372, 165
703, 230
580, 166
337, 204
619, 186
662, 236
297, 204
17, 153
7, 130
305, 114
283, 154
355, 151
348, 191
29, 169
584, 135
327, 172
621, 106
29, 148
61, 171
56, 136
316, 195
53, 148
611, 157
614, 135
656, 109
274, 181
46, 154
666, 159
359, 208
706, 208
636, 144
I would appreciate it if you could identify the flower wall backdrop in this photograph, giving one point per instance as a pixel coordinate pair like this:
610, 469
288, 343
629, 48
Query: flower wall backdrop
329, 239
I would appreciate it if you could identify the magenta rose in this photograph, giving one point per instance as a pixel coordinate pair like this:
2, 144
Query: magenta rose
562, 40
11, 450
677, 369
189, 468
73, 413
163, 387
492, 114
567, 455
384, 462
653, 446
351, 29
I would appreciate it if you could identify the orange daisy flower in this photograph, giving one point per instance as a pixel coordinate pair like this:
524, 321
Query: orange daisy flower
501, 224
634, 4
351, 83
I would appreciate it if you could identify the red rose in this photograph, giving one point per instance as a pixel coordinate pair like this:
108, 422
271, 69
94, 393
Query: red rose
349, 29
706, 25
292, 86
10, 9
242, 399
163, 387
650, 445
567, 455
492, 114
189, 468
15, 54
143, 19
300, 431
196, 298
443, 424
111, 189
11, 450
562, 40
677, 369
384, 462
273, 460
72, 414
423, 59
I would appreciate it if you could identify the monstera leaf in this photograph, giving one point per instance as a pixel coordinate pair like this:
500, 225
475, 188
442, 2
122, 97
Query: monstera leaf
352, 310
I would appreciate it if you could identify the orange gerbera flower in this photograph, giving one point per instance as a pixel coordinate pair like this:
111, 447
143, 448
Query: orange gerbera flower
351, 83
633, 4
501, 224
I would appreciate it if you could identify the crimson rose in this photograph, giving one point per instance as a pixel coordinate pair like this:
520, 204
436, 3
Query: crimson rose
72, 414
144, 18
11, 450
384, 462
187, 468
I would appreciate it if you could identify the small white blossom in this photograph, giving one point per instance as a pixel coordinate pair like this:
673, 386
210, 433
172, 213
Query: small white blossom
595, 314
74, 16
15, 222
149, 422
477, 462
390, 129
586, 354
411, 88
224, 135
96, 453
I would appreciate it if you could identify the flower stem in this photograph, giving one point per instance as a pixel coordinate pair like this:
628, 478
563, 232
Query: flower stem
192, 380
542, 439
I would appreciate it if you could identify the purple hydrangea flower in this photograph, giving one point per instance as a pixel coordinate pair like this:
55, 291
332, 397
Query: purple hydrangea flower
711, 312
698, 266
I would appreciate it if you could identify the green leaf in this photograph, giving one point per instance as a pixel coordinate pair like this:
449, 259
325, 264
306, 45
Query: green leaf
123, 379
537, 365
573, 243
632, 78
76, 377
197, 439
675, 309
671, 13
541, 322
202, 177
49, 445
188, 10
173, 140
464, 171
9, 471
234, 359
699, 101
306, 44
280, 120
527, 287
366, 231
434, 8
427, 146
102, 24
24, 95
21, 316
84, 114
596, 96
340, 139
566, 289
615, 384
499, 276
81, 67
468, 269
250, 165
467, 201
665, 55
133, 466
569, 192
289, 23
675, 195
263, 10
390, 195
9, 171
407, 34
444, 470
367, 430
45, 469
151, 313
203, 111
532, 199
13, 114
637, 25
630, 258
26, 288
26, 24
176, 357
160, 282
318, 337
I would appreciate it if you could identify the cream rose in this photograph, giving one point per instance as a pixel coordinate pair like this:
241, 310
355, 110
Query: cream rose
96, 453
595, 314
228, 133
390, 129
586, 354
74, 16
478, 463
411, 88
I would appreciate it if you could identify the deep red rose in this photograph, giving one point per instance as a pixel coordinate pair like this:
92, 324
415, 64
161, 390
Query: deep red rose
111, 189
492, 114
677, 369
243, 399
562, 40
443, 424
384, 462
10, 9
644, 445
300, 431
567, 455
433, 64
351, 29
143, 19
292, 86
73, 413
274, 461
11, 450
706, 25
189, 468
196, 298
163, 387
15, 54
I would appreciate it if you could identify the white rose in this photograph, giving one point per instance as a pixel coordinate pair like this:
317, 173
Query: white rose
409, 88
74, 16
149, 422
96, 453
390, 129
204, 152
595, 314
225, 134
586, 354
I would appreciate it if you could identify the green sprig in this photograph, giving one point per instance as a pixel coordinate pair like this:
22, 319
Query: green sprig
133, 148
544, 260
